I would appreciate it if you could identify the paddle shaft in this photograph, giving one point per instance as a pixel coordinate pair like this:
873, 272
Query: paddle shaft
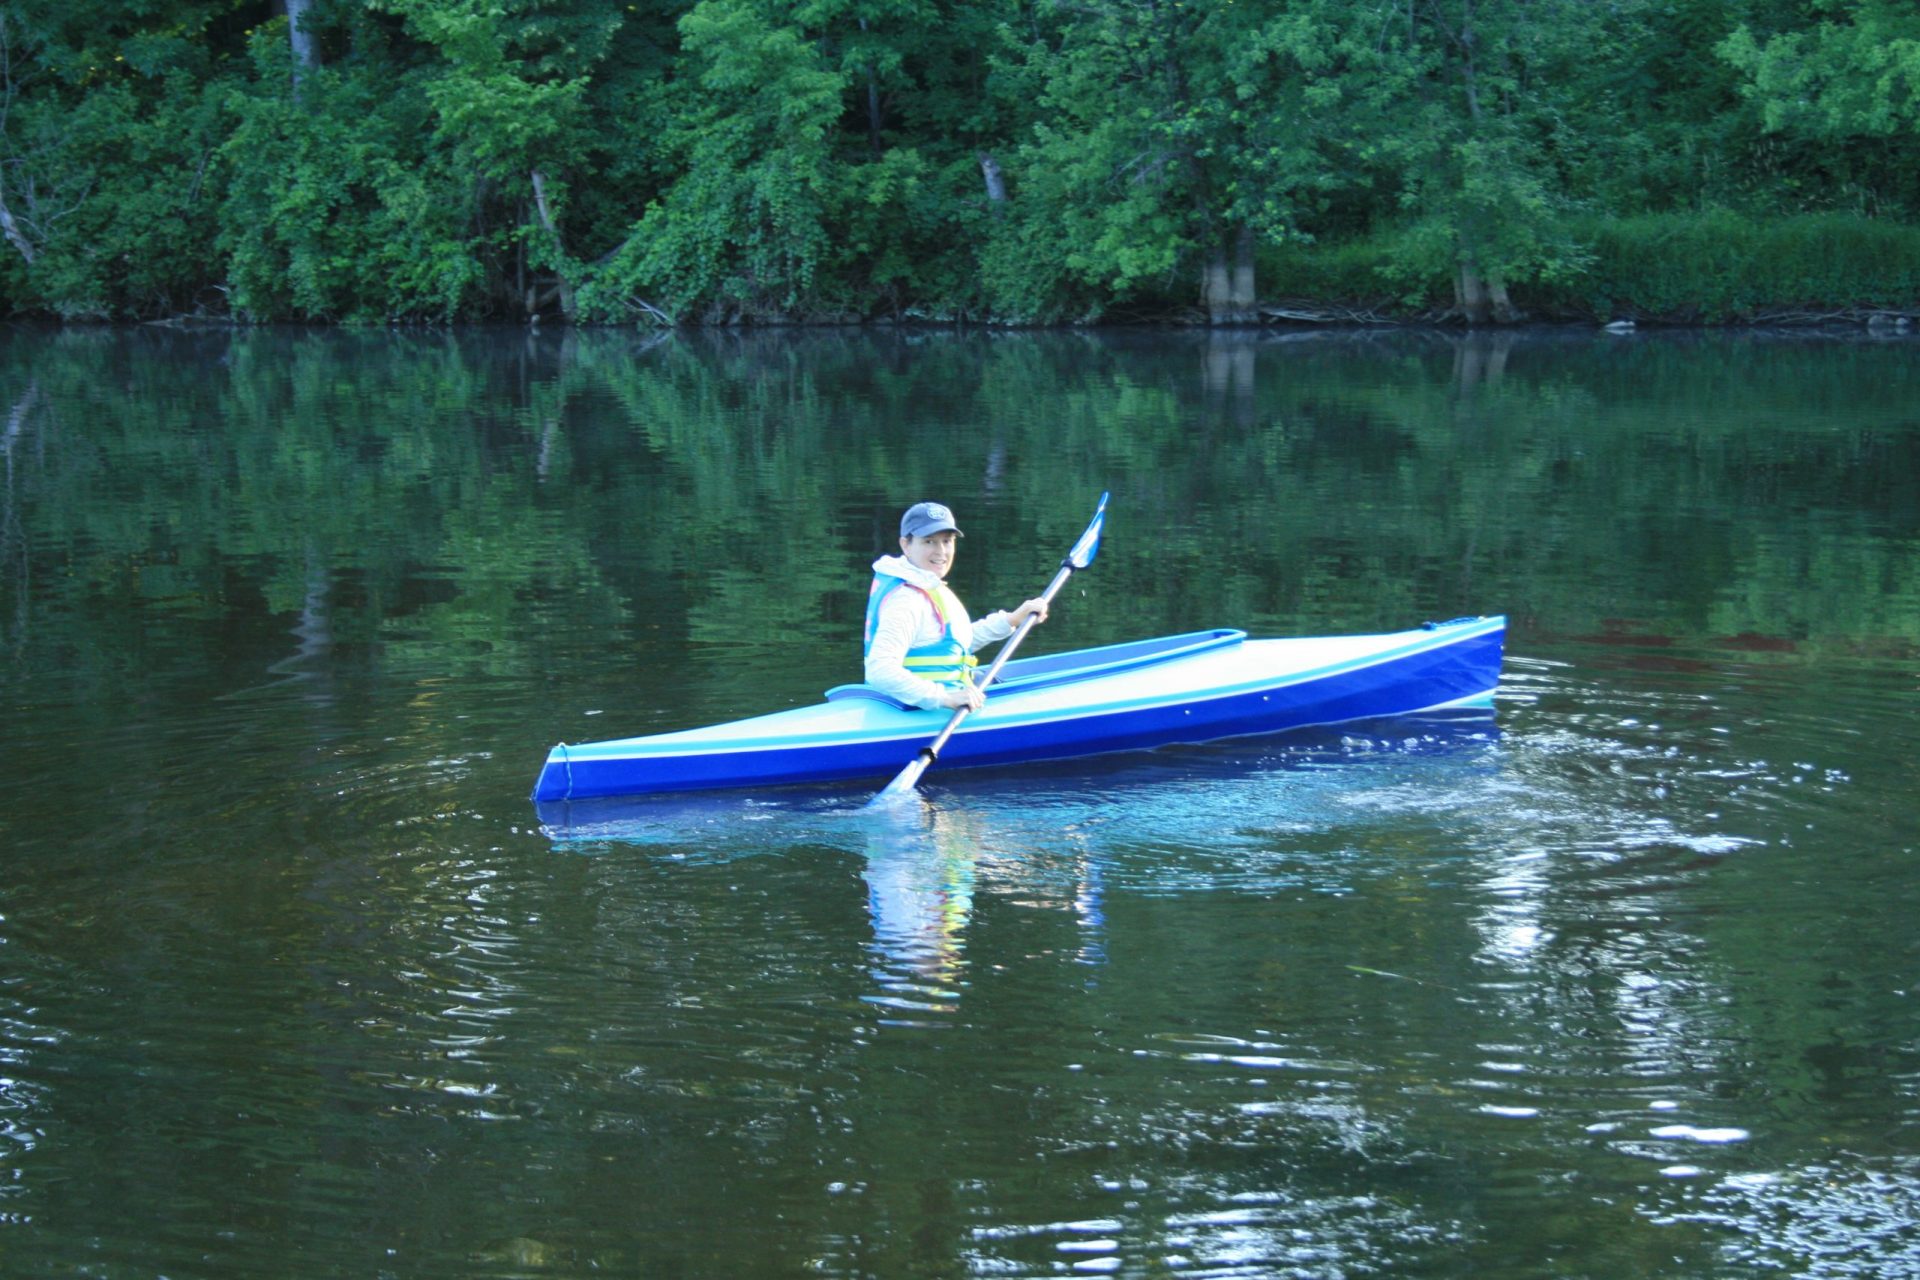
931, 752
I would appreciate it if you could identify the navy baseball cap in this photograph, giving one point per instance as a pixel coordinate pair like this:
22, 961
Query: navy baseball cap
923, 518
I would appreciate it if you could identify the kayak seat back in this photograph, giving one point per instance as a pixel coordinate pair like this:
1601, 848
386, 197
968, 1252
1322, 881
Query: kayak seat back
1023, 675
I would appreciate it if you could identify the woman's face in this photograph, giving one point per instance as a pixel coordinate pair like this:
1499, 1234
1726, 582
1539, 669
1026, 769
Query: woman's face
934, 552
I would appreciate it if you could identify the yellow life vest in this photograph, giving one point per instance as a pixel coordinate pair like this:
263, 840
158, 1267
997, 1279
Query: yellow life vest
943, 661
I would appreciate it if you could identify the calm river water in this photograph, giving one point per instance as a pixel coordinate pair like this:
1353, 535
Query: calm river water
1625, 982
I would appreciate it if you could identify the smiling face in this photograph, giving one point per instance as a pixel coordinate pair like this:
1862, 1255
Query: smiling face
934, 552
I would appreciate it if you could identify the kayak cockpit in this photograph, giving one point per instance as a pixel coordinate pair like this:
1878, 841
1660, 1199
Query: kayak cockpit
1023, 675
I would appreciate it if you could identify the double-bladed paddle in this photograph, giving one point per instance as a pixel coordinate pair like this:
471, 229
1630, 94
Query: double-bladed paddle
1079, 558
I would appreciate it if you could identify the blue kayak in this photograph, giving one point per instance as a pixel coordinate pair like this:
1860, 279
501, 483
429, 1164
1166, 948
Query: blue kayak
1125, 697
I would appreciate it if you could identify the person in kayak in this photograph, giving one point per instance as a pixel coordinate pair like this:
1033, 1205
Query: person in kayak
919, 639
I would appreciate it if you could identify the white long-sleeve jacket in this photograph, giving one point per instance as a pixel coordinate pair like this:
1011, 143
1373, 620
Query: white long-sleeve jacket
907, 620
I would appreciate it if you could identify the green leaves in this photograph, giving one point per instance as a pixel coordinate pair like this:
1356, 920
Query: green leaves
333, 211
1838, 79
751, 160
746, 226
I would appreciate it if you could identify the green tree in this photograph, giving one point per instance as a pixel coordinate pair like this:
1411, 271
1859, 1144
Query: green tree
508, 100
1109, 206
337, 208
919, 128
109, 127
1173, 140
1026, 160
1493, 85
1846, 85
747, 224
429, 167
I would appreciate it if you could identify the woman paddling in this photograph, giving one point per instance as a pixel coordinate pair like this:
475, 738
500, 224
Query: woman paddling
919, 640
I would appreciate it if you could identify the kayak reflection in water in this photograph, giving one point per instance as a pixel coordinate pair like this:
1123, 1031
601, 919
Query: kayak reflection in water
919, 639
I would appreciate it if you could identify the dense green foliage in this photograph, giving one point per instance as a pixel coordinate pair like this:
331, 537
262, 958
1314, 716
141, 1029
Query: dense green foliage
1009, 160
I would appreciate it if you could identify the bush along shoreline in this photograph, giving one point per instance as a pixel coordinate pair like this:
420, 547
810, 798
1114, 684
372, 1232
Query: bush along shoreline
1709, 269
1714, 269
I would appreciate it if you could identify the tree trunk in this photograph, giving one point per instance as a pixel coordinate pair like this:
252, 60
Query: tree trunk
553, 232
1243, 290
996, 181
1216, 285
1504, 312
306, 54
8, 92
873, 103
1470, 81
1482, 298
1227, 284
1470, 294
15, 236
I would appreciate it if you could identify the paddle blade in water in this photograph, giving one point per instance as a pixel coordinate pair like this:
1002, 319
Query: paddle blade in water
903, 782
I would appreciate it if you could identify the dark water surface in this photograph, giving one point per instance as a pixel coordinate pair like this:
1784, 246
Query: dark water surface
1623, 982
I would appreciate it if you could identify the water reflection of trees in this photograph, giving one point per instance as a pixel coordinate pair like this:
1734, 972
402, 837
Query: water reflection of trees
464, 500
